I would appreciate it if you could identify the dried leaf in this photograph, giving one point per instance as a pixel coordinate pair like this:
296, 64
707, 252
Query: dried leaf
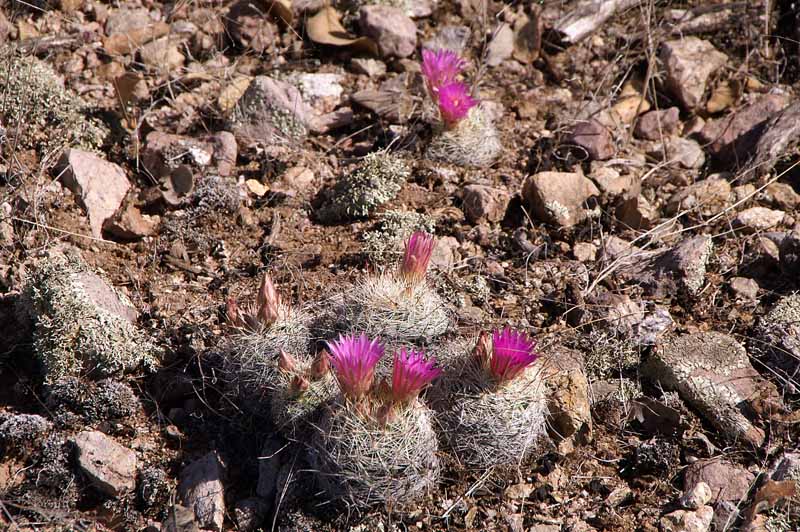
126, 88
229, 95
281, 9
325, 28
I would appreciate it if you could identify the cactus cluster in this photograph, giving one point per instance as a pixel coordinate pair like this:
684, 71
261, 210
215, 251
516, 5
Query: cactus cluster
372, 424
464, 134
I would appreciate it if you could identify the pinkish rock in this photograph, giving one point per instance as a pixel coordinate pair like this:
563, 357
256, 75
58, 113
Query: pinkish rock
593, 137
558, 197
99, 184
270, 111
483, 203
689, 63
391, 28
657, 124
735, 136
225, 149
757, 219
728, 481
110, 466
129, 223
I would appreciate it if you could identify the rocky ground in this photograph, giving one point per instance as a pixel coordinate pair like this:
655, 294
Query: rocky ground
640, 221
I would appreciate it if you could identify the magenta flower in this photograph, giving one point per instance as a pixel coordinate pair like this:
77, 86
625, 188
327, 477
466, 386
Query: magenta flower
353, 360
512, 352
455, 102
417, 256
411, 374
440, 68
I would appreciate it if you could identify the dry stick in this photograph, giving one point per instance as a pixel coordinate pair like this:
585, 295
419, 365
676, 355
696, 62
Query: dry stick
468, 493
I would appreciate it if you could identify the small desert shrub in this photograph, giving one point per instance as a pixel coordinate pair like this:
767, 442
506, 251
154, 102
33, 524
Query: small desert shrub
82, 325
377, 180
49, 117
465, 134
400, 306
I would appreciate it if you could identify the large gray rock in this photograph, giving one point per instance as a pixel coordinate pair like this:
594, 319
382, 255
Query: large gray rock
391, 28
689, 63
110, 466
712, 372
557, 197
100, 185
201, 489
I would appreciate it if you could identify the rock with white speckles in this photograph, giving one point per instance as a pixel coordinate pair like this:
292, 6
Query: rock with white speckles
712, 372
777, 336
558, 197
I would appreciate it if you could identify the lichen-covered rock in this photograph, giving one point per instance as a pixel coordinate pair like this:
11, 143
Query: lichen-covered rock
83, 326
377, 180
712, 372
270, 111
777, 336
39, 111
19, 433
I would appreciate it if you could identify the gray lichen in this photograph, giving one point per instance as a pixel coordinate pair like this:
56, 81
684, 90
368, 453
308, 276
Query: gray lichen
777, 335
48, 116
377, 180
384, 243
19, 432
82, 325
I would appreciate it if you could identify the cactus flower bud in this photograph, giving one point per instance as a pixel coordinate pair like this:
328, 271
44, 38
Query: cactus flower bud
320, 367
299, 384
268, 301
286, 362
233, 314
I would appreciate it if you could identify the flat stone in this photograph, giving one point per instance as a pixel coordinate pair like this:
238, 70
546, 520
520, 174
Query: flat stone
110, 466
689, 63
558, 197
780, 136
744, 288
483, 203
391, 28
163, 54
593, 137
200, 488
100, 185
734, 137
685, 152
568, 402
501, 46
658, 124
726, 481
688, 521
129, 223
782, 195
370, 67
757, 219
706, 197
718, 380
613, 184
271, 110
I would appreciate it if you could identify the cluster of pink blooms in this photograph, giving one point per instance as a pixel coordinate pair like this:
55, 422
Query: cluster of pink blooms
441, 69
354, 358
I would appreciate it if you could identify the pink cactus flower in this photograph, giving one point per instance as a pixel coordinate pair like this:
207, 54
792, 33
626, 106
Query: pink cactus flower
440, 68
354, 359
455, 102
512, 352
417, 256
411, 374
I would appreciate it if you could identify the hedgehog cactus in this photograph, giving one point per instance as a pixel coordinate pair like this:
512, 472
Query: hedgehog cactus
491, 401
376, 445
465, 135
268, 363
399, 305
